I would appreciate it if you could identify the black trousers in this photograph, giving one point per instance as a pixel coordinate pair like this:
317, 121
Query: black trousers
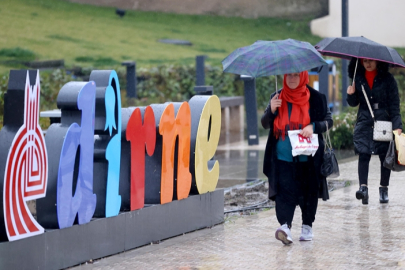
364, 161
296, 185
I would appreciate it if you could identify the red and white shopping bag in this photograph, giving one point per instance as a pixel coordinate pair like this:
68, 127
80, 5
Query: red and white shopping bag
302, 145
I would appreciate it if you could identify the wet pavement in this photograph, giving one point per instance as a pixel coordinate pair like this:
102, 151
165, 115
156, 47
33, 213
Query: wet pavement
347, 234
241, 163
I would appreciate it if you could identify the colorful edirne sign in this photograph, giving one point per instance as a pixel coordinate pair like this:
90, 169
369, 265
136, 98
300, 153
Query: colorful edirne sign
93, 163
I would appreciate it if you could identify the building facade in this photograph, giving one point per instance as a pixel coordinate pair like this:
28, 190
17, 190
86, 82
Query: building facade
380, 21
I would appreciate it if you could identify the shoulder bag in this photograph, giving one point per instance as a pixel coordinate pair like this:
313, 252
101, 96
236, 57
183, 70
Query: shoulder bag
330, 166
382, 129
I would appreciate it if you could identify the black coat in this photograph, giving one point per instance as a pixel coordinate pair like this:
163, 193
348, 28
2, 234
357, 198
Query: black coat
385, 93
319, 113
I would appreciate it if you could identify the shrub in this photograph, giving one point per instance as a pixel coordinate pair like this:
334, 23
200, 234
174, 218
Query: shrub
265, 87
3, 88
51, 83
176, 83
341, 133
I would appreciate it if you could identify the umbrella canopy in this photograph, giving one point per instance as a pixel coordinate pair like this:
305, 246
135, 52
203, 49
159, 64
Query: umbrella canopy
264, 58
359, 47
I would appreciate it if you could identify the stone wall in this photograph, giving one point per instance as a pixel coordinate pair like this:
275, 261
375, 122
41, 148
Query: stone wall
240, 8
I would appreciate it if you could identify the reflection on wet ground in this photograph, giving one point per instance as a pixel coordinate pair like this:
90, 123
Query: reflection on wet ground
241, 163
231, 137
347, 235
239, 166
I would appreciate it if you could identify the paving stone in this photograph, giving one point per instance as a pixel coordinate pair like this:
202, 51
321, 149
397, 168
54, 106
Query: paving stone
347, 235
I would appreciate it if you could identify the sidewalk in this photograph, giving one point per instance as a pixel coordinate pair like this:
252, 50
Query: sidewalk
348, 235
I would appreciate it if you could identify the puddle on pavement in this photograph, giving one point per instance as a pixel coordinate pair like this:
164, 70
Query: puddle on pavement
231, 137
243, 165
226, 183
239, 167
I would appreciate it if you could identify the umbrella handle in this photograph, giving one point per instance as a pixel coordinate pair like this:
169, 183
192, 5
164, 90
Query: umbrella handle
355, 69
276, 86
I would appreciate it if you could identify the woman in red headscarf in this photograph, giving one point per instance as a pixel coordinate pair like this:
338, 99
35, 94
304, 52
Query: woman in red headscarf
295, 180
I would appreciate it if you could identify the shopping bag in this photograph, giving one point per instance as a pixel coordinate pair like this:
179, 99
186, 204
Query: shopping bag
301, 145
400, 147
391, 159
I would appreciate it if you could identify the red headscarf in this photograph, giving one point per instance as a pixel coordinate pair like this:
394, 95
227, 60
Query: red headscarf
299, 98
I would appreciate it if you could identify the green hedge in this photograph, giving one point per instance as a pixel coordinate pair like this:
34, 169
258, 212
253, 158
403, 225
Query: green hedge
51, 83
155, 85
176, 83
341, 133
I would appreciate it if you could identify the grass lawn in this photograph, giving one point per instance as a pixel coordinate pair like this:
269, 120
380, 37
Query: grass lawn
96, 37
90, 36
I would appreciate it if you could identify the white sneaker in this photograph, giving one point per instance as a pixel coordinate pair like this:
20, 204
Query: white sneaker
284, 235
306, 233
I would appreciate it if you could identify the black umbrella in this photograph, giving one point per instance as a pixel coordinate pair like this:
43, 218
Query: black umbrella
359, 47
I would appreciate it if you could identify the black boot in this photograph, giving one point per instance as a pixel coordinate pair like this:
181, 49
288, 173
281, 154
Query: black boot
384, 195
362, 194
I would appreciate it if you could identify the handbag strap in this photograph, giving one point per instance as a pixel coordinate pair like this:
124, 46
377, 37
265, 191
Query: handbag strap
328, 142
368, 103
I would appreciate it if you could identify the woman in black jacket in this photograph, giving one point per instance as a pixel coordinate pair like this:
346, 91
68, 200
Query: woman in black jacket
295, 181
382, 92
